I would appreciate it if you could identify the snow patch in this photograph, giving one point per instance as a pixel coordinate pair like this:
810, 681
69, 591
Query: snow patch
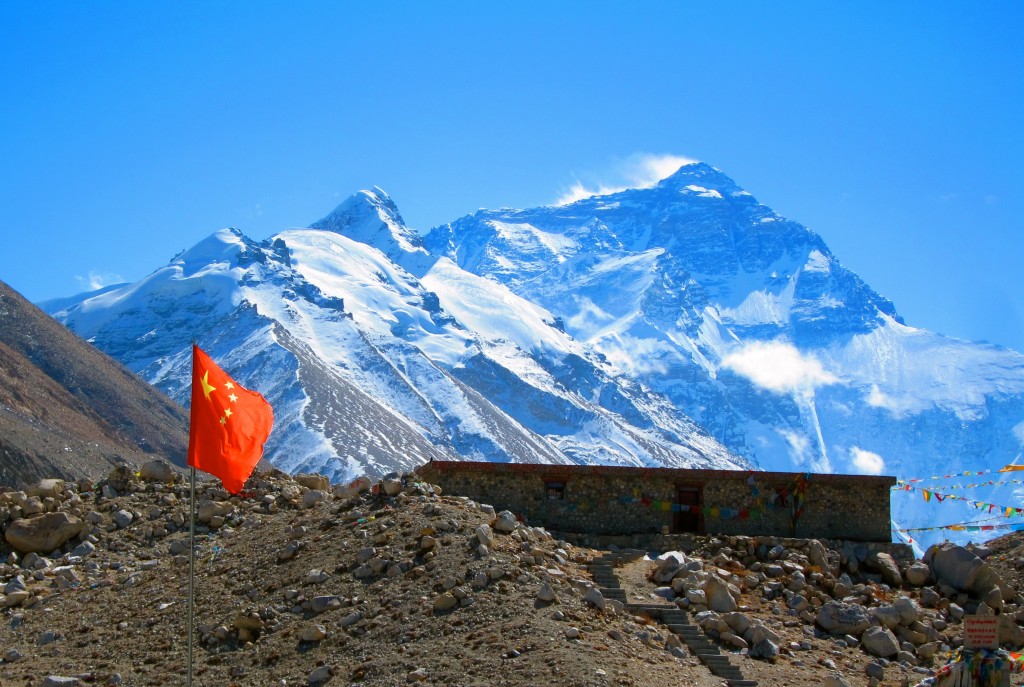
817, 262
525, 235
703, 192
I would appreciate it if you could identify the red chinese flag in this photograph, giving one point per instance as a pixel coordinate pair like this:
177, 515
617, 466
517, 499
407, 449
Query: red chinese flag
228, 426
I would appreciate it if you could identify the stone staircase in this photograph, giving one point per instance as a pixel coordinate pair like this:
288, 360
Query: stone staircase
602, 569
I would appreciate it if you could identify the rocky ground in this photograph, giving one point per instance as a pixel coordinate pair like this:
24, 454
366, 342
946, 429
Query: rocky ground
298, 584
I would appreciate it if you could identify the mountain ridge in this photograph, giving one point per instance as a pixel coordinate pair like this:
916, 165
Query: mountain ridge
67, 410
682, 324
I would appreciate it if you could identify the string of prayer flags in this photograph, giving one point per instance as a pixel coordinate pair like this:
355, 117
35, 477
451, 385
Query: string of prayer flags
1013, 526
1004, 511
902, 486
968, 473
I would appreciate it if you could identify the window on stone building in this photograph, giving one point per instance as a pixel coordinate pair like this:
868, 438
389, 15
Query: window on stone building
555, 491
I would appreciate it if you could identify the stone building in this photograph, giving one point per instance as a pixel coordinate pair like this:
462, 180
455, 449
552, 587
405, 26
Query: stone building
604, 500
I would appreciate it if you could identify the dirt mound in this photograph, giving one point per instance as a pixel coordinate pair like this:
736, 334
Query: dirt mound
298, 585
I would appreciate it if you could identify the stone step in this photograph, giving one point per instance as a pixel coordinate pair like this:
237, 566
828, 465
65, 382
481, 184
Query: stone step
714, 660
742, 683
683, 628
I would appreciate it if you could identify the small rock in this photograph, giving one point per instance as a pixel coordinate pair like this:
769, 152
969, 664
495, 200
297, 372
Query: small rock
445, 602
546, 594
60, 681
313, 633
765, 649
351, 619
485, 535
289, 551
594, 597
316, 576
320, 675
505, 522
324, 602
123, 518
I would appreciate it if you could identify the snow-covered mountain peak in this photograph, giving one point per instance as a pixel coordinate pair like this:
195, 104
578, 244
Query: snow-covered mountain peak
700, 175
220, 247
676, 323
371, 217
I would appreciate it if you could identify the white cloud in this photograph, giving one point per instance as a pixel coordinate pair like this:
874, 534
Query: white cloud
97, 280
799, 446
642, 170
866, 462
779, 367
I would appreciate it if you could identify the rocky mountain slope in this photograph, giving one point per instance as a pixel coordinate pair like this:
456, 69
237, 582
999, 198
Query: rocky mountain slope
300, 584
68, 410
680, 325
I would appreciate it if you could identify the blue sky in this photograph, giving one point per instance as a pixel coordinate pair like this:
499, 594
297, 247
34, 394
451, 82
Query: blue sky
129, 131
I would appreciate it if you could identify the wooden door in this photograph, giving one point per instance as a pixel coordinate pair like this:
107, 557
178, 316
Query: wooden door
688, 517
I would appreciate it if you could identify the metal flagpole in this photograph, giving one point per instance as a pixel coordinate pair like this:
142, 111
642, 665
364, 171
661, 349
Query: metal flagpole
191, 570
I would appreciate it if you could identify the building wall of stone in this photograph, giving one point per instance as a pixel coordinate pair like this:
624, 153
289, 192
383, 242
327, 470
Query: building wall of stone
610, 501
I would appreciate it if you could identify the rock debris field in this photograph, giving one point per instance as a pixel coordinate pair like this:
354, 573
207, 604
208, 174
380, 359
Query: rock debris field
395, 583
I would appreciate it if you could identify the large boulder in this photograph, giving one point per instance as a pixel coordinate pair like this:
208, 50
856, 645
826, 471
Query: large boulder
353, 488
43, 533
908, 609
887, 568
887, 615
817, 554
46, 487
668, 564
918, 573
157, 471
840, 618
720, 597
879, 641
315, 482
960, 569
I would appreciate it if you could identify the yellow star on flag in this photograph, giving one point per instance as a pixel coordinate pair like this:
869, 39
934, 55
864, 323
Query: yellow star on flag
207, 387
